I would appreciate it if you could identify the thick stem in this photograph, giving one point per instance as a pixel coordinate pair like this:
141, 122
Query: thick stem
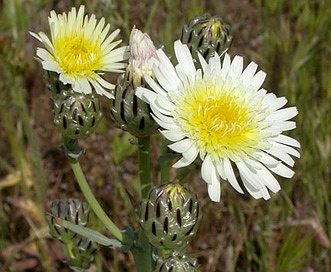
142, 251
94, 204
144, 163
166, 164
142, 254
181, 174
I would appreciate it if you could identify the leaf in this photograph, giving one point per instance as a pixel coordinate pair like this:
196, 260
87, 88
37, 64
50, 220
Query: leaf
94, 235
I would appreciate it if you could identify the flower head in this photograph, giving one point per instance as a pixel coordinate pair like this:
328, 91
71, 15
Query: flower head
220, 113
79, 49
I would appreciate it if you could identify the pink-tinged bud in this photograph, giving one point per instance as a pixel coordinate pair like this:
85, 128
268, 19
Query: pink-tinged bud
142, 50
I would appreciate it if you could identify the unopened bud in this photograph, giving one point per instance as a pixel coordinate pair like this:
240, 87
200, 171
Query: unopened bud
206, 34
81, 250
179, 263
76, 115
170, 216
129, 112
71, 210
142, 50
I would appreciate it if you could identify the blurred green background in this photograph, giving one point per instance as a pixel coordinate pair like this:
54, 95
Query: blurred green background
291, 42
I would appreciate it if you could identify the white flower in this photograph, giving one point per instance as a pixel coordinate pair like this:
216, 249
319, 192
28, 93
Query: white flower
79, 49
221, 114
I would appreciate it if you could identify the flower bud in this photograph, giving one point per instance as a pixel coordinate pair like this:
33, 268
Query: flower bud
206, 34
170, 217
142, 50
76, 115
128, 111
81, 250
176, 264
67, 209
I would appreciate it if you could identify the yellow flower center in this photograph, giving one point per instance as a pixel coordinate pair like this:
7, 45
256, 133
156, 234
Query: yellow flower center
77, 55
219, 121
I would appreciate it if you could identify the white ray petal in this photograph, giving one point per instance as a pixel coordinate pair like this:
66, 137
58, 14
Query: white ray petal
164, 105
258, 80
104, 83
225, 66
166, 66
274, 103
280, 154
181, 146
283, 114
268, 179
247, 76
284, 139
50, 65
283, 126
249, 175
184, 58
215, 63
230, 176
168, 126
84, 85
146, 95
257, 193
65, 79
202, 62
45, 40
44, 54
288, 149
101, 91
236, 67
208, 170
173, 135
214, 190
187, 158
164, 80
266, 159
282, 170
156, 87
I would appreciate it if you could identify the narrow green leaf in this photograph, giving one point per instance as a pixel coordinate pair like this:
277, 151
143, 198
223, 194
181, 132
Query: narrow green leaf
93, 235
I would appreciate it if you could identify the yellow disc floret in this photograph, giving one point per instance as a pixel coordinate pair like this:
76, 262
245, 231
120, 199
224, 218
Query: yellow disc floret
77, 55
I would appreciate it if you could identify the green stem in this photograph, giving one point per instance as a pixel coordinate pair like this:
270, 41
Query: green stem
142, 254
181, 174
94, 204
166, 164
144, 163
142, 250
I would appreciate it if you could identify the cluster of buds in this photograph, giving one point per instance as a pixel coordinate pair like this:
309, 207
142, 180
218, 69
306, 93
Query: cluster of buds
128, 111
206, 35
170, 219
81, 250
